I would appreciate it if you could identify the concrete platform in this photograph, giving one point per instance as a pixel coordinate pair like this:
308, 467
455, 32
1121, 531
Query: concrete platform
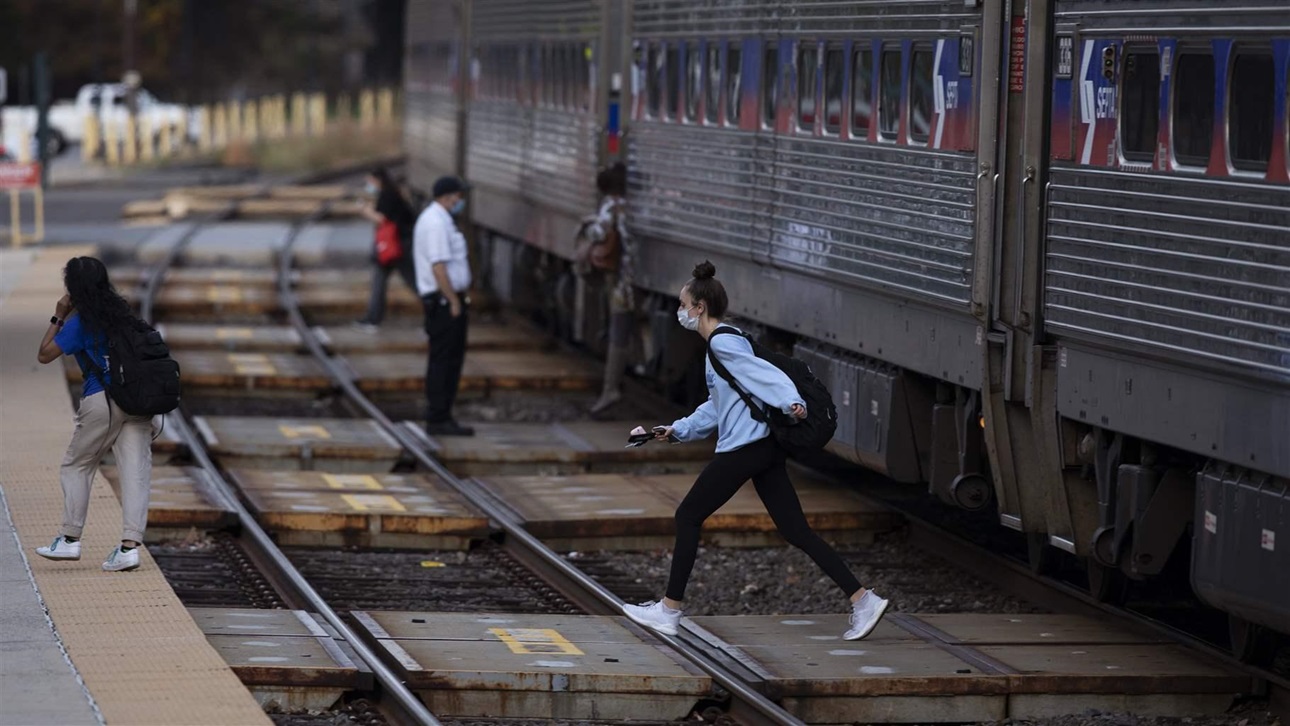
367, 510
559, 448
631, 512
335, 445
536, 666
288, 658
920, 668
484, 371
120, 630
181, 499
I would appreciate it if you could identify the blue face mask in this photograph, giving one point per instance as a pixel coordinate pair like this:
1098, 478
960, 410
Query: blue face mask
371, 188
457, 207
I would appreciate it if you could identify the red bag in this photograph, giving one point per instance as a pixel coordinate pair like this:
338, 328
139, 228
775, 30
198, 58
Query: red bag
388, 249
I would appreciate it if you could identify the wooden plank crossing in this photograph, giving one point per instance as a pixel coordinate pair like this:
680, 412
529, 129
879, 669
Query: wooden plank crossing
536, 666
251, 371
288, 658
627, 511
322, 443
968, 667
231, 338
370, 510
551, 448
484, 370
396, 337
180, 499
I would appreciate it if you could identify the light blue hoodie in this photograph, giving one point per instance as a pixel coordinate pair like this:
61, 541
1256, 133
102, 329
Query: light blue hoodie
725, 411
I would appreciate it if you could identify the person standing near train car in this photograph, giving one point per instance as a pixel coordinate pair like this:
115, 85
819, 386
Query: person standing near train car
611, 252
745, 450
80, 325
443, 277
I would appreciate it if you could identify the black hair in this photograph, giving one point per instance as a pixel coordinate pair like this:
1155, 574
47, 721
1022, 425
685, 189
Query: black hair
100, 306
706, 288
612, 180
382, 177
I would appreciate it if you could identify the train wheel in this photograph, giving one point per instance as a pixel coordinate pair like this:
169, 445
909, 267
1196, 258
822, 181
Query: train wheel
1042, 558
972, 492
1250, 642
1107, 584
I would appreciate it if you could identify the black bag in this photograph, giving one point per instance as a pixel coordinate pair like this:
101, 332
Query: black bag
143, 379
795, 436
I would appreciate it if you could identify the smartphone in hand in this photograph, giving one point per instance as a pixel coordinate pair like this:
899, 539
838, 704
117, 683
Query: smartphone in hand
671, 438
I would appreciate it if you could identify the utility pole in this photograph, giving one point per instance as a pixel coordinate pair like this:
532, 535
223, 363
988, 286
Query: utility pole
131, 75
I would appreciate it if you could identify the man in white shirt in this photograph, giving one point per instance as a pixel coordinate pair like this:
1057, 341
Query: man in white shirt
443, 277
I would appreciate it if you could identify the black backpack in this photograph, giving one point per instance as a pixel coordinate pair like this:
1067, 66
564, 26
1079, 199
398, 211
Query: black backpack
143, 379
796, 437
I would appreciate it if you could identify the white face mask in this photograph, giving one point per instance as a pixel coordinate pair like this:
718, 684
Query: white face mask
687, 322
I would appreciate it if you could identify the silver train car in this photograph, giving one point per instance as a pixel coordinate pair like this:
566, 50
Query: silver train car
1040, 249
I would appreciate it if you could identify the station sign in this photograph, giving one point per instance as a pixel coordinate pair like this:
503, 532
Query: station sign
19, 175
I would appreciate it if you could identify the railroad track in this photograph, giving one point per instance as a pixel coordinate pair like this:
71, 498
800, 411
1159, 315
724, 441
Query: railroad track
575, 589
297, 578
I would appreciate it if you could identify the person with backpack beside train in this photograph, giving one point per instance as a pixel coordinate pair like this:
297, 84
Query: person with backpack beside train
756, 409
129, 378
392, 244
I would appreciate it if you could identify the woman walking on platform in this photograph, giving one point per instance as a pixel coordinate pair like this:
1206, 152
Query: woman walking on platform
79, 327
745, 450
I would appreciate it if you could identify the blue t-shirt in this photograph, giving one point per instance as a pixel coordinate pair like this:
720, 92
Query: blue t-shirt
74, 339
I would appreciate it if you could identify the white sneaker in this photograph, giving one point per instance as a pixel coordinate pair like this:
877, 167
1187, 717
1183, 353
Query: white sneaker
120, 561
61, 549
654, 615
865, 614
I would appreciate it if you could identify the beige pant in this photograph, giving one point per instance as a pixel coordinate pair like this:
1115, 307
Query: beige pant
101, 425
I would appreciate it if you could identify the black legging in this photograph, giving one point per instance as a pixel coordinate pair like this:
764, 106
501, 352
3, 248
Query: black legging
763, 462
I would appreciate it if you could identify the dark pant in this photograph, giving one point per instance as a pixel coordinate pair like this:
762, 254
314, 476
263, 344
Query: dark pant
763, 462
447, 353
380, 282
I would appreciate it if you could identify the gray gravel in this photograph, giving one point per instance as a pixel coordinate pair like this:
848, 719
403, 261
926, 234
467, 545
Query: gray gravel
784, 580
1251, 714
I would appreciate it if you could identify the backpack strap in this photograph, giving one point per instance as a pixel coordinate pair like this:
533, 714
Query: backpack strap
753, 410
93, 368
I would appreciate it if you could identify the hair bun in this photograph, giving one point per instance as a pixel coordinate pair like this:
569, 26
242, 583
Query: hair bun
704, 271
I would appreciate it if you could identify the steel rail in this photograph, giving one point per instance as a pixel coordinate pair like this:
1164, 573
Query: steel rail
751, 706
266, 547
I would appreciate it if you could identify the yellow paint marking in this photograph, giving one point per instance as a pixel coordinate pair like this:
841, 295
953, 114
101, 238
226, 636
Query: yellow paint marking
527, 641
367, 502
310, 432
352, 481
223, 293
233, 333
432, 563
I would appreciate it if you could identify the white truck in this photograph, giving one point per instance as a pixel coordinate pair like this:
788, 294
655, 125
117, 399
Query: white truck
107, 102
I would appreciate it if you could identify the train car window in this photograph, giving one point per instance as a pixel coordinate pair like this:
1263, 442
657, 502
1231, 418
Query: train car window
712, 91
808, 64
921, 107
1140, 109
770, 87
734, 83
834, 73
672, 70
861, 93
889, 92
654, 81
586, 85
1250, 111
693, 81
1193, 117
546, 71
